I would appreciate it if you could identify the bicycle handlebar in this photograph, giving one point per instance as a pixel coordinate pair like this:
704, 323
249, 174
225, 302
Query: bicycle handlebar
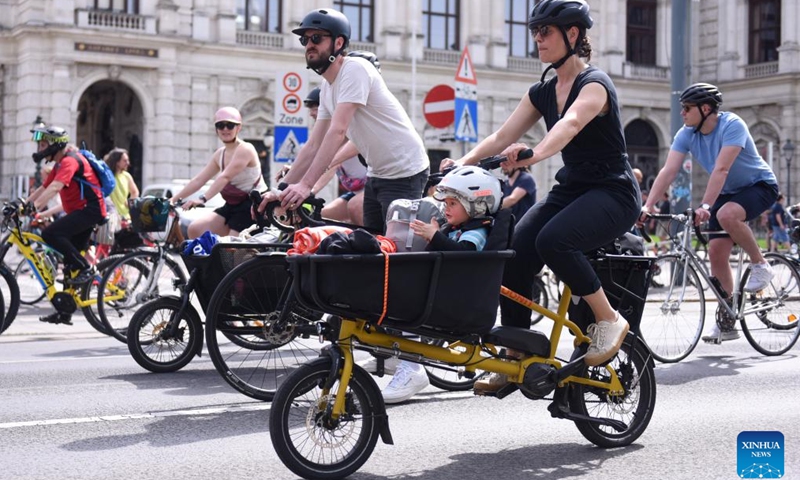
687, 216
311, 219
488, 163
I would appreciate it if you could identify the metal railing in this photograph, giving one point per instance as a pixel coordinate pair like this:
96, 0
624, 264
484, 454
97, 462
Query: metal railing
760, 70
109, 20
260, 39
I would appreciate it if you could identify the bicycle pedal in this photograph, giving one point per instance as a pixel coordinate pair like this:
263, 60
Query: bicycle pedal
712, 341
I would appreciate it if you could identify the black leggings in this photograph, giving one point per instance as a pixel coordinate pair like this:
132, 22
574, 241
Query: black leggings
556, 231
70, 234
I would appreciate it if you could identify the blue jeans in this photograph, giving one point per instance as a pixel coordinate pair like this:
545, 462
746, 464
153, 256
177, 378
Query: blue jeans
380, 192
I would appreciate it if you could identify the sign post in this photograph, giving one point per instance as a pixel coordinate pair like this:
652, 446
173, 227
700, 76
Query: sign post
466, 100
291, 119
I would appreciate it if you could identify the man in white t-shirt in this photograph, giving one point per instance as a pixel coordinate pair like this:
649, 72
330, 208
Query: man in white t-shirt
355, 104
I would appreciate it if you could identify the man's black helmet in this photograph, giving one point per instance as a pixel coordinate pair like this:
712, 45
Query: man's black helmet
55, 136
327, 19
371, 57
562, 13
702, 93
312, 99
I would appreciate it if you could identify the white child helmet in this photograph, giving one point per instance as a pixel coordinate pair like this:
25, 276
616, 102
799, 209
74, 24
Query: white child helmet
478, 190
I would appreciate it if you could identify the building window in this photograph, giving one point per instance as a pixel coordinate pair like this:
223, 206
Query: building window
642, 32
122, 6
520, 41
440, 24
360, 14
259, 15
765, 30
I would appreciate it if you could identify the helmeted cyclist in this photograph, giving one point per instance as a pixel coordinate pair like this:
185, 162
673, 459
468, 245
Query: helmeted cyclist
596, 198
82, 202
471, 195
356, 104
740, 188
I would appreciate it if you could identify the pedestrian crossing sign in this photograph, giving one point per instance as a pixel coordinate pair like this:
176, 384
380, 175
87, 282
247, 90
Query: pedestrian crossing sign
288, 141
466, 113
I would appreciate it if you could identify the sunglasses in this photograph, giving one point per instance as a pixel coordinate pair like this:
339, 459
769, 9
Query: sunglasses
226, 125
543, 31
686, 108
316, 39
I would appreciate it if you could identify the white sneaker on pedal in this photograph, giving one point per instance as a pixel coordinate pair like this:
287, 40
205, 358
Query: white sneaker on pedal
371, 365
760, 276
607, 337
409, 379
717, 337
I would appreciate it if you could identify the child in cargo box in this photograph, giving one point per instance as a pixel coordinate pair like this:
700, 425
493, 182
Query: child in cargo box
470, 196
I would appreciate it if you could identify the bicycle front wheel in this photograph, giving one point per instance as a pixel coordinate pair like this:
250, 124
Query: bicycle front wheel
127, 284
159, 345
89, 294
250, 348
673, 317
306, 437
770, 320
31, 289
10, 293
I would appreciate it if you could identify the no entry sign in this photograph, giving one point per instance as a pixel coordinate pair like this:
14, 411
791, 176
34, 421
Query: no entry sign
439, 106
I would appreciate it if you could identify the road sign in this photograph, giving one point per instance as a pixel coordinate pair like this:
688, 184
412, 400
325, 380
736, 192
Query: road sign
439, 106
288, 141
466, 101
289, 94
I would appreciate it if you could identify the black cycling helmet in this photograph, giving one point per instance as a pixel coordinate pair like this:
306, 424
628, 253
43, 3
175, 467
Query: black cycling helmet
563, 14
312, 99
57, 137
702, 94
371, 57
333, 22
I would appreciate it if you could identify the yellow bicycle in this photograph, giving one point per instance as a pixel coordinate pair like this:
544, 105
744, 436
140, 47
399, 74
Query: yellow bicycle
69, 299
327, 415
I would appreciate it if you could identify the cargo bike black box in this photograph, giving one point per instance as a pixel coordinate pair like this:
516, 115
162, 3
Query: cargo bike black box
456, 292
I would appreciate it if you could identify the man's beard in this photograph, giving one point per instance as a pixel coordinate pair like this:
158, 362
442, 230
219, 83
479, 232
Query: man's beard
320, 62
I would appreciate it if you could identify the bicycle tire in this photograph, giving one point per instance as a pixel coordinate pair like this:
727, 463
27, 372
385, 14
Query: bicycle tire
129, 276
147, 343
31, 290
10, 293
674, 312
774, 329
634, 408
89, 291
237, 309
539, 295
301, 429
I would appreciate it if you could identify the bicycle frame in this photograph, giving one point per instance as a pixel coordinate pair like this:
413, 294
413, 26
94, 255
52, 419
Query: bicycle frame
355, 333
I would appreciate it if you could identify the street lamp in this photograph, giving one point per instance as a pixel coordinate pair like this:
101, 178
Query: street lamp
37, 175
788, 153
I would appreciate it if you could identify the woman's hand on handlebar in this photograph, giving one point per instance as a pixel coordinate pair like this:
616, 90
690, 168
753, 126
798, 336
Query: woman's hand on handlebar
448, 163
190, 204
511, 153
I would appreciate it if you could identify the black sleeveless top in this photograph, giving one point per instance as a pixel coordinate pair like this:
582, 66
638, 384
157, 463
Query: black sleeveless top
598, 152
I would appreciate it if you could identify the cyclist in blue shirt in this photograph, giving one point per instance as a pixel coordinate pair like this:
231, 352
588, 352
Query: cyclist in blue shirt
741, 185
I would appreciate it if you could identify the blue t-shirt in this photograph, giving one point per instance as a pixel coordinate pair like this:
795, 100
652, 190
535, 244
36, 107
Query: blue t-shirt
526, 182
748, 168
476, 237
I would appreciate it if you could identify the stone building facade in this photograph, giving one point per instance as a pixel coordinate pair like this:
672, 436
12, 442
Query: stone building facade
147, 75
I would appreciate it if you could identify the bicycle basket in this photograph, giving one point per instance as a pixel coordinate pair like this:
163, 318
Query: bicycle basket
424, 288
149, 214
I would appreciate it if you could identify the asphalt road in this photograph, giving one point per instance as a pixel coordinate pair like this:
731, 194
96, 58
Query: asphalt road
76, 406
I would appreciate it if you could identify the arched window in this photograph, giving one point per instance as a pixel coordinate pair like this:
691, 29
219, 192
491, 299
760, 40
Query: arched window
643, 150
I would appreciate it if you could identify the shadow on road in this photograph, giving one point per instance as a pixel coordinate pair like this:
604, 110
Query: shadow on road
705, 366
181, 383
551, 461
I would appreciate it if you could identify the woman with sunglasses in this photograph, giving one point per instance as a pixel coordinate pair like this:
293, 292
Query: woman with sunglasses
238, 171
596, 198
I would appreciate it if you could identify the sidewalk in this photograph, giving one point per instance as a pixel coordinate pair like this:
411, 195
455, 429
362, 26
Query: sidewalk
27, 327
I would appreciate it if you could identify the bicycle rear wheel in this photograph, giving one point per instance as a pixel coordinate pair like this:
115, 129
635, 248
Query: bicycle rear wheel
634, 407
127, 286
150, 339
89, 290
250, 349
538, 295
771, 317
673, 317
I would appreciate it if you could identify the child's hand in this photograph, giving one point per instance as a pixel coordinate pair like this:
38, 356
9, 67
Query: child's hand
425, 230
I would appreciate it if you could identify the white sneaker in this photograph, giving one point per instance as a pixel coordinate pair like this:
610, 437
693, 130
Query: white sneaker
607, 338
409, 380
371, 365
717, 337
760, 276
